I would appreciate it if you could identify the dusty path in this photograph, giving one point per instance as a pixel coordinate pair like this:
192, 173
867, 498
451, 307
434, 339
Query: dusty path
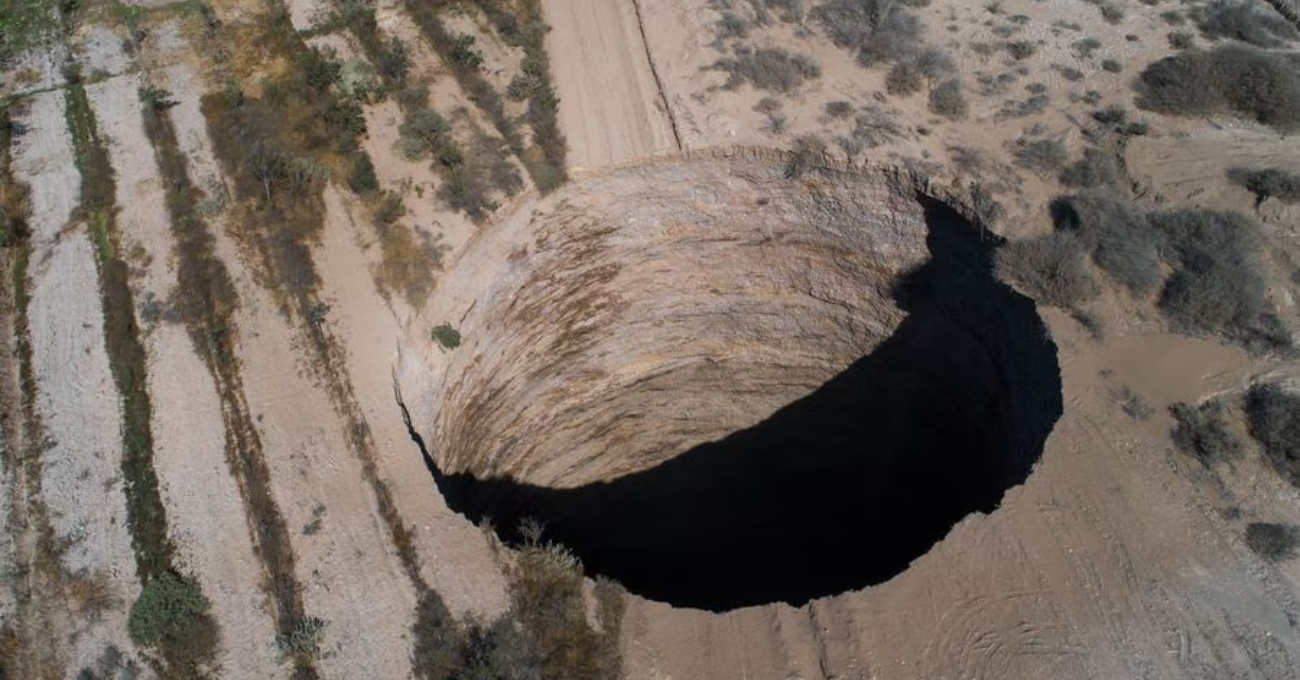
610, 108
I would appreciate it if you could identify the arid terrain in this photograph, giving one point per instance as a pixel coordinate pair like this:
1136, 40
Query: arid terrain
649, 339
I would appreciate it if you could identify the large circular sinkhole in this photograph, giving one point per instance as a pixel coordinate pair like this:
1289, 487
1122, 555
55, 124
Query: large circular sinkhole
722, 386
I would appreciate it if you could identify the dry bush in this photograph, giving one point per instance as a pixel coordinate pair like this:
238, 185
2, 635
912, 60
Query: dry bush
1022, 49
1096, 168
948, 99
839, 110
917, 71
1052, 269
1218, 283
877, 30
1268, 183
171, 617
1264, 86
767, 68
1245, 21
1274, 417
1273, 542
1043, 156
1201, 432
1118, 236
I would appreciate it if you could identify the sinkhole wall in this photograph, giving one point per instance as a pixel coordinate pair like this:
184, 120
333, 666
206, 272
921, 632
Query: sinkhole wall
723, 385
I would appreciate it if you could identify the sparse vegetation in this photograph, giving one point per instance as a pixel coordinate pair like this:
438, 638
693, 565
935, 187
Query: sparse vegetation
1245, 21
1263, 86
917, 71
767, 68
302, 642
1112, 13
1268, 183
1111, 65
1133, 404
1273, 542
1200, 432
839, 110
1274, 417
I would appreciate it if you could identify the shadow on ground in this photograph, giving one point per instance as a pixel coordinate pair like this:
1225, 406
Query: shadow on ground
841, 489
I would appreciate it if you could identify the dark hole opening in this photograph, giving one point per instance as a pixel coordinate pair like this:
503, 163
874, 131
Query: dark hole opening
841, 489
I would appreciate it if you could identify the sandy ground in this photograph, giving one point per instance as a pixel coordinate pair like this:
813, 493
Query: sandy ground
76, 399
189, 444
350, 575
456, 560
613, 112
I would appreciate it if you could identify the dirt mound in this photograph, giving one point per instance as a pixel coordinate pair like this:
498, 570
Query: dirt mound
723, 385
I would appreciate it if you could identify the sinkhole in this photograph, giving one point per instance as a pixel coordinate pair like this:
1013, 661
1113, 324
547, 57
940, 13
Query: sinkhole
722, 385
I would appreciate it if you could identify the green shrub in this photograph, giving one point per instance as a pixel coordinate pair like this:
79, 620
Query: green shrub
1264, 86
446, 336
1273, 542
303, 641
362, 178
463, 54
768, 68
1274, 417
1268, 183
1201, 432
1245, 21
1052, 269
320, 67
171, 616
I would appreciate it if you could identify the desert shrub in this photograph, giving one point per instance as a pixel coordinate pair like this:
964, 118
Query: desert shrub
807, 153
768, 68
462, 52
1180, 40
1043, 156
426, 125
1118, 236
446, 336
1084, 47
1274, 418
1096, 168
362, 178
1111, 65
904, 78
877, 30
912, 73
1112, 13
389, 209
1264, 86
303, 641
1133, 404
839, 110
393, 60
112, 664
1268, 183
874, 126
1245, 21
1022, 49
1217, 285
1111, 115
730, 25
320, 67
1053, 269
948, 99
171, 616
546, 593
1173, 17
1273, 542
1201, 432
